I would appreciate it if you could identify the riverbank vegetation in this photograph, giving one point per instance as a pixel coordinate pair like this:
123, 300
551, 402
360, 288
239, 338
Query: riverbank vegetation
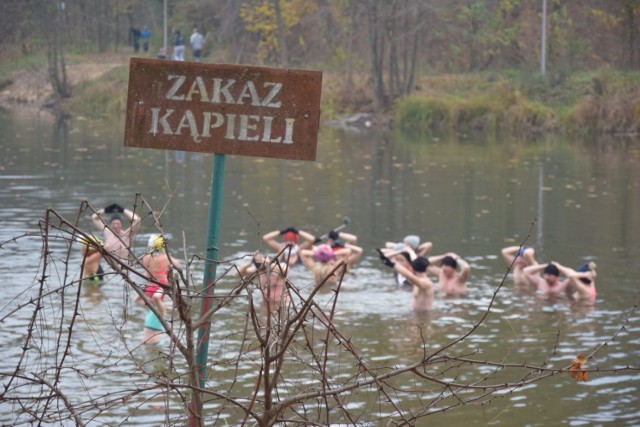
439, 66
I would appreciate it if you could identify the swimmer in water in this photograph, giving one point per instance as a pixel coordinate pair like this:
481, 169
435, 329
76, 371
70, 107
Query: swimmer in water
328, 266
158, 266
524, 257
92, 271
581, 284
272, 276
416, 276
290, 245
546, 278
116, 239
452, 273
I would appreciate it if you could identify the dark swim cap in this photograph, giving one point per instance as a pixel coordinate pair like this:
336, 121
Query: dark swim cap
115, 218
552, 270
448, 260
406, 256
420, 264
583, 268
338, 243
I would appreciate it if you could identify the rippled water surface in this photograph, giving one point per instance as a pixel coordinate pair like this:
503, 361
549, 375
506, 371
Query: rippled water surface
578, 201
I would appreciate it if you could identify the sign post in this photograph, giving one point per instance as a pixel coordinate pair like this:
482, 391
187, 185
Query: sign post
221, 109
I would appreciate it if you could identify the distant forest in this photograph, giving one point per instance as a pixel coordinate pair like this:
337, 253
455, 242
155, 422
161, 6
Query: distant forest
392, 41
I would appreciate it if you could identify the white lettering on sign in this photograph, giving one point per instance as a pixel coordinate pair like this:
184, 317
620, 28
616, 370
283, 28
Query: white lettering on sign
198, 127
243, 127
223, 91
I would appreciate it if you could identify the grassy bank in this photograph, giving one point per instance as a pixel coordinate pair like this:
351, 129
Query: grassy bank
605, 101
598, 102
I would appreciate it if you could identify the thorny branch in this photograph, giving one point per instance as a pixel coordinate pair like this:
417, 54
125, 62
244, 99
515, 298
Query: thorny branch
289, 346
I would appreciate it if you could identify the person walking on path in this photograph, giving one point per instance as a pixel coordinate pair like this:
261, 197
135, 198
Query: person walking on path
178, 46
197, 43
146, 35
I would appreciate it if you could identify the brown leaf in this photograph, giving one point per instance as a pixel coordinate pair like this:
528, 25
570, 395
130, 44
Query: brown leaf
576, 370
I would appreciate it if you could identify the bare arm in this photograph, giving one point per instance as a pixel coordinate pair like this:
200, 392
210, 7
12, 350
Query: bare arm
424, 249
509, 254
270, 240
97, 220
583, 290
532, 273
308, 238
306, 255
135, 221
465, 269
437, 258
421, 282
348, 237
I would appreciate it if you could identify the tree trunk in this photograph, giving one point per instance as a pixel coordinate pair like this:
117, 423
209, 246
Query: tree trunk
281, 35
376, 47
55, 57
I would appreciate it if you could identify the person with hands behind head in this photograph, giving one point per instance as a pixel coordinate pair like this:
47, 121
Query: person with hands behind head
399, 255
272, 276
325, 263
451, 281
116, 239
337, 244
289, 246
416, 274
520, 257
546, 278
581, 284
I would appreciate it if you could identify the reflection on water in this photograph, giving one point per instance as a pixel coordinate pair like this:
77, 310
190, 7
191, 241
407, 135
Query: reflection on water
578, 201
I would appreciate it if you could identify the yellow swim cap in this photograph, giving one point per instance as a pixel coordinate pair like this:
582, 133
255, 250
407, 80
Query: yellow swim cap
90, 241
156, 242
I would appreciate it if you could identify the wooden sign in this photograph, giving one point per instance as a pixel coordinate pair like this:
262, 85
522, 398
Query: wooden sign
223, 109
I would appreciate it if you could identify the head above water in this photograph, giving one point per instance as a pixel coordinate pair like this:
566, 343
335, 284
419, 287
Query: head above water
290, 236
116, 223
588, 266
337, 244
420, 264
551, 270
412, 240
449, 261
323, 253
156, 242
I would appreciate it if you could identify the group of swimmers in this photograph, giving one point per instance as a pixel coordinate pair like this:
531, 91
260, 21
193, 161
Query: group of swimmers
158, 265
329, 257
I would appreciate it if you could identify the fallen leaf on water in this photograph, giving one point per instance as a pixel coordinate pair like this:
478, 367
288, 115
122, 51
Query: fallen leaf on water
576, 370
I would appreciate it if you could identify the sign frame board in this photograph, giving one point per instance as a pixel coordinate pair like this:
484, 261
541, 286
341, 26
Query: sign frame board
223, 109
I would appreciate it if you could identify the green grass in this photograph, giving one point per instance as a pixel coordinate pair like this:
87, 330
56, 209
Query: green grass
602, 101
106, 95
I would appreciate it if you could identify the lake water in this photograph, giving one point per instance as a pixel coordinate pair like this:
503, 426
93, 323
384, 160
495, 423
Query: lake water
573, 200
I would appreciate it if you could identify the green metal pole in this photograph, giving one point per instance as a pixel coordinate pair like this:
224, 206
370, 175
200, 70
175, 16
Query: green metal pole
213, 237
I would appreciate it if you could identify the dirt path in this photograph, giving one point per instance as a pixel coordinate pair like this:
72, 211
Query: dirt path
31, 87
